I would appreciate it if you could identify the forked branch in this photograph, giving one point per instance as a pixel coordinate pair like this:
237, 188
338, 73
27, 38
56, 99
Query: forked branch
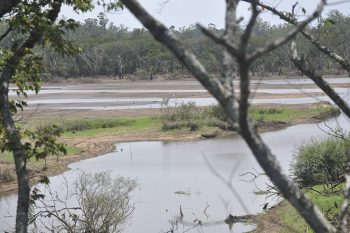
318, 80
324, 49
269, 46
261, 151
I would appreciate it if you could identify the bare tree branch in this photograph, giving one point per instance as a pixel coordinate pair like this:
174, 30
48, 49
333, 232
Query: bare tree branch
344, 213
232, 48
229, 33
318, 80
280, 41
269, 163
228, 182
247, 32
262, 153
162, 34
329, 52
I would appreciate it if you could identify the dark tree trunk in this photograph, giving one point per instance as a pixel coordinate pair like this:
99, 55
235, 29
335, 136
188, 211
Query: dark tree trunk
16, 147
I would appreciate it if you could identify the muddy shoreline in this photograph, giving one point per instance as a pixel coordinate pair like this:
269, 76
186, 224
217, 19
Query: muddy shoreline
99, 145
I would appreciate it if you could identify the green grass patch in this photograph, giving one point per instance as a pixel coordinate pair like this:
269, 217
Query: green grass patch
329, 204
321, 161
288, 115
133, 124
261, 192
180, 192
172, 120
72, 150
189, 116
7, 156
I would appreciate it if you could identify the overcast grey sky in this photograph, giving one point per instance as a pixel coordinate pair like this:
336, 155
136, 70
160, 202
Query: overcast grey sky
186, 12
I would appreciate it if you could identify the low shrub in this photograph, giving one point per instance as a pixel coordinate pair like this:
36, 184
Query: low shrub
178, 125
321, 162
174, 116
193, 126
6, 175
171, 125
217, 112
94, 124
269, 111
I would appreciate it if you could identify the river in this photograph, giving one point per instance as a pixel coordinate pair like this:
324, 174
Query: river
170, 174
163, 168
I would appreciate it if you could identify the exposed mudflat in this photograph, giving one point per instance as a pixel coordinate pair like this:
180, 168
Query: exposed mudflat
119, 98
135, 98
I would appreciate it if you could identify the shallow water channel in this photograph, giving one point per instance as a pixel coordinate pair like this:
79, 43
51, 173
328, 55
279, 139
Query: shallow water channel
163, 169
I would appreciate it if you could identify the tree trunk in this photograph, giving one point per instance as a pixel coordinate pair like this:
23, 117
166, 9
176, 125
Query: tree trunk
17, 149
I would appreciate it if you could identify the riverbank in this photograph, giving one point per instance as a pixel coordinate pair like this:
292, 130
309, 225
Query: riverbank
284, 218
101, 137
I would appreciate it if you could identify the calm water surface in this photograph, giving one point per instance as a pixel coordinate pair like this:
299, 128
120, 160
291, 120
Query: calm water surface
163, 168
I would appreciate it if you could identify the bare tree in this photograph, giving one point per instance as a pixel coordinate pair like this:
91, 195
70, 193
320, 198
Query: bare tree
97, 204
237, 105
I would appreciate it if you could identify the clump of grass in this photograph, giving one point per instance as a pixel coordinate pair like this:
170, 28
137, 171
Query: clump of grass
269, 111
215, 112
193, 126
180, 192
185, 115
6, 175
178, 116
81, 125
321, 162
329, 203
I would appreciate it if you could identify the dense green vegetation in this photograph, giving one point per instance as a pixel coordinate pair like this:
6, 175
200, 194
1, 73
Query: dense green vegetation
110, 50
319, 168
321, 162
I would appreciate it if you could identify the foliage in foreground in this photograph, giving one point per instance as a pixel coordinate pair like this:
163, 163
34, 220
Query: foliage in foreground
321, 162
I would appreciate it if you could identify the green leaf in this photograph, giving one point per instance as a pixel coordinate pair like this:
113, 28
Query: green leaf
44, 180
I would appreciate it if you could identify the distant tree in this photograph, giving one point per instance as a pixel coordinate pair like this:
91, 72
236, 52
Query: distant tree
102, 20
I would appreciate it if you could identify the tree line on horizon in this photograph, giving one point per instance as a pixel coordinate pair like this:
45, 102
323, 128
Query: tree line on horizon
117, 51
